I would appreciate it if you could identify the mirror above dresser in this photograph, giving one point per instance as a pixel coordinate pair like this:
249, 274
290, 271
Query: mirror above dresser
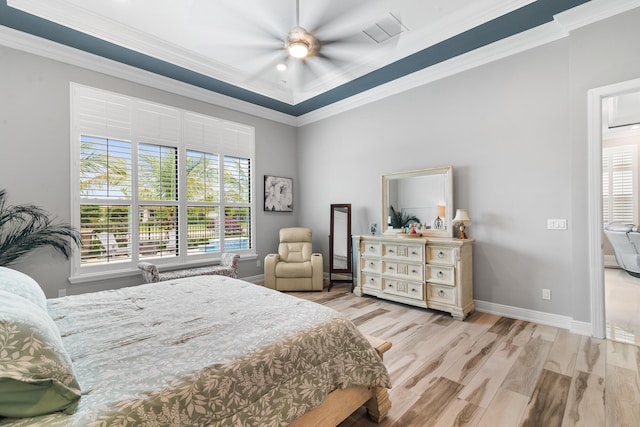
425, 194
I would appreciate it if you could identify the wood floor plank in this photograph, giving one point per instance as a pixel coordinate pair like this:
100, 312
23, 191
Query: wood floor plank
484, 385
591, 356
460, 413
623, 397
548, 402
523, 376
431, 405
505, 410
586, 401
563, 355
463, 369
622, 355
433, 367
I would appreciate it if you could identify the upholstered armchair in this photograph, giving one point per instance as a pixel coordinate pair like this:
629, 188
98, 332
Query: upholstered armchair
294, 267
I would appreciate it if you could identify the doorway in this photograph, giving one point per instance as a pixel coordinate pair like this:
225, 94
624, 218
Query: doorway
597, 99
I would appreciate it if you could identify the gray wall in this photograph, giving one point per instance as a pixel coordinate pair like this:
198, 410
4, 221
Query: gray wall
516, 132
35, 155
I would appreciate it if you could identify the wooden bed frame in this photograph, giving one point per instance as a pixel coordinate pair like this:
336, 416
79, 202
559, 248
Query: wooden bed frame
341, 403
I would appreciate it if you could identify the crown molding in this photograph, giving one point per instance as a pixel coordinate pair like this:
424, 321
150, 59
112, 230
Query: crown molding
35, 45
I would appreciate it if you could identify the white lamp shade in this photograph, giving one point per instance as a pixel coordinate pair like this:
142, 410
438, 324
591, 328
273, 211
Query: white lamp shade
462, 216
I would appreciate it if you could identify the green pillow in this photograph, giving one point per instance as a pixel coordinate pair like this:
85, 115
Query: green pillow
20, 284
36, 374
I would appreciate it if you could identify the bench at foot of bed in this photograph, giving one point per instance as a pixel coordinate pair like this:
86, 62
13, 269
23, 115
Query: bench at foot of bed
341, 403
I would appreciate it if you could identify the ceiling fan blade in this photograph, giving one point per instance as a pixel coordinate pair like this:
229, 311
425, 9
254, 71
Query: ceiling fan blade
317, 16
267, 70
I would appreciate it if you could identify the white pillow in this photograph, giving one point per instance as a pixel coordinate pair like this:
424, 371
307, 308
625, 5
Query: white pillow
20, 284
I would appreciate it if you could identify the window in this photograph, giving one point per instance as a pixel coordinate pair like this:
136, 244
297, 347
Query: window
619, 184
156, 183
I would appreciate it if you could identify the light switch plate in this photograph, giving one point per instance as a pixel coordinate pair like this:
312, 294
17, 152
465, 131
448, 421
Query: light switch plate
557, 224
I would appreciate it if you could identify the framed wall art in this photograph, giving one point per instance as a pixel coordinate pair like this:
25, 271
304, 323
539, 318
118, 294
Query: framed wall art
278, 194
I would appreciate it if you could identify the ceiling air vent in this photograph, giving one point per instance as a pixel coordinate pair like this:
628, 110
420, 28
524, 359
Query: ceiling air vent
385, 29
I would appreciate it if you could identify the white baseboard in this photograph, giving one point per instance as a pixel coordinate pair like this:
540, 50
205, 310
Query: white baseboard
564, 322
254, 279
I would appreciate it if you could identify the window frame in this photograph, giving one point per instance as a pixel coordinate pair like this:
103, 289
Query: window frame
226, 139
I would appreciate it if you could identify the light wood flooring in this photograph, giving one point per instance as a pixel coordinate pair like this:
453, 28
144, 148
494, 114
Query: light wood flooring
492, 371
622, 306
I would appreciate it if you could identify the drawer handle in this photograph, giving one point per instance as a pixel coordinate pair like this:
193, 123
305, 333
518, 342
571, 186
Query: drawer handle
413, 290
390, 268
371, 264
441, 293
414, 253
371, 280
414, 271
440, 274
390, 286
390, 251
371, 247
440, 254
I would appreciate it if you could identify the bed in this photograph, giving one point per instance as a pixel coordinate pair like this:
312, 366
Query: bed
208, 350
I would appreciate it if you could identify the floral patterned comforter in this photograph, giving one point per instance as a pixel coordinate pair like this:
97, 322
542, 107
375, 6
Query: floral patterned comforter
205, 351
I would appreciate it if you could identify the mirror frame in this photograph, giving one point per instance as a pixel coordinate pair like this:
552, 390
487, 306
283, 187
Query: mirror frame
332, 269
447, 172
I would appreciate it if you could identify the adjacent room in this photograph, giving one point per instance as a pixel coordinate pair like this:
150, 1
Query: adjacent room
319, 213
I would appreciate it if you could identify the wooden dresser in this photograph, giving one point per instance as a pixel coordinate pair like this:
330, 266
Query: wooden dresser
423, 271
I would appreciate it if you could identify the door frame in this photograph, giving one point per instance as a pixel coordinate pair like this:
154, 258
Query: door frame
596, 256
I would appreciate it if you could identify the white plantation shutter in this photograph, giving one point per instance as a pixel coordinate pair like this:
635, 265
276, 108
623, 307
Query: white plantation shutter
100, 113
218, 136
148, 181
619, 184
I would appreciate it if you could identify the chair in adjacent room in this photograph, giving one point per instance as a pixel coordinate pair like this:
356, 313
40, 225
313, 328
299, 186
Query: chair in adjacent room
295, 267
625, 240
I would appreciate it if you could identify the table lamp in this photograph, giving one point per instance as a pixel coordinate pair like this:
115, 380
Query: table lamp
461, 221
438, 224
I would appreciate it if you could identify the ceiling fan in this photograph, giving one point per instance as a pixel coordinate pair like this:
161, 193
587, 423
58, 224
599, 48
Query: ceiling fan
301, 43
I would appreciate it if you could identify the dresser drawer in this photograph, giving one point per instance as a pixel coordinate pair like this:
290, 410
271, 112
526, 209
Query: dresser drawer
409, 252
370, 248
371, 282
439, 293
441, 255
405, 289
371, 265
440, 274
413, 271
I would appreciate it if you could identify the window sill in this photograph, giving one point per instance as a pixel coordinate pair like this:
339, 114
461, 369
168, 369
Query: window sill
128, 272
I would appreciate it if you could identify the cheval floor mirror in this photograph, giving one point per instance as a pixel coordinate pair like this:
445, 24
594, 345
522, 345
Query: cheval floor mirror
340, 266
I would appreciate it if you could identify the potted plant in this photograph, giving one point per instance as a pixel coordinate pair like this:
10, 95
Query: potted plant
24, 228
400, 219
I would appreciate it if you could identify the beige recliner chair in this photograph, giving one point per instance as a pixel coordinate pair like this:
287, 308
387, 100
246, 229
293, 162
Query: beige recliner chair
294, 267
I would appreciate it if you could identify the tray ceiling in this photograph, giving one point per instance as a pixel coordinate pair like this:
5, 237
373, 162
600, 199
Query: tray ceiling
233, 47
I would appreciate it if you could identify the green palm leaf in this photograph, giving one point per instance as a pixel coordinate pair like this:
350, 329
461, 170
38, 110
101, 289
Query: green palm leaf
24, 228
400, 219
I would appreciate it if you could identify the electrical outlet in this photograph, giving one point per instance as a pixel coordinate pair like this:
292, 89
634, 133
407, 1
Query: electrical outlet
62, 292
258, 263
546, 294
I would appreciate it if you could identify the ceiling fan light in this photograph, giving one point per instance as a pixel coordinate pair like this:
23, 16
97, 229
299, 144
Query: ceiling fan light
298, 49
